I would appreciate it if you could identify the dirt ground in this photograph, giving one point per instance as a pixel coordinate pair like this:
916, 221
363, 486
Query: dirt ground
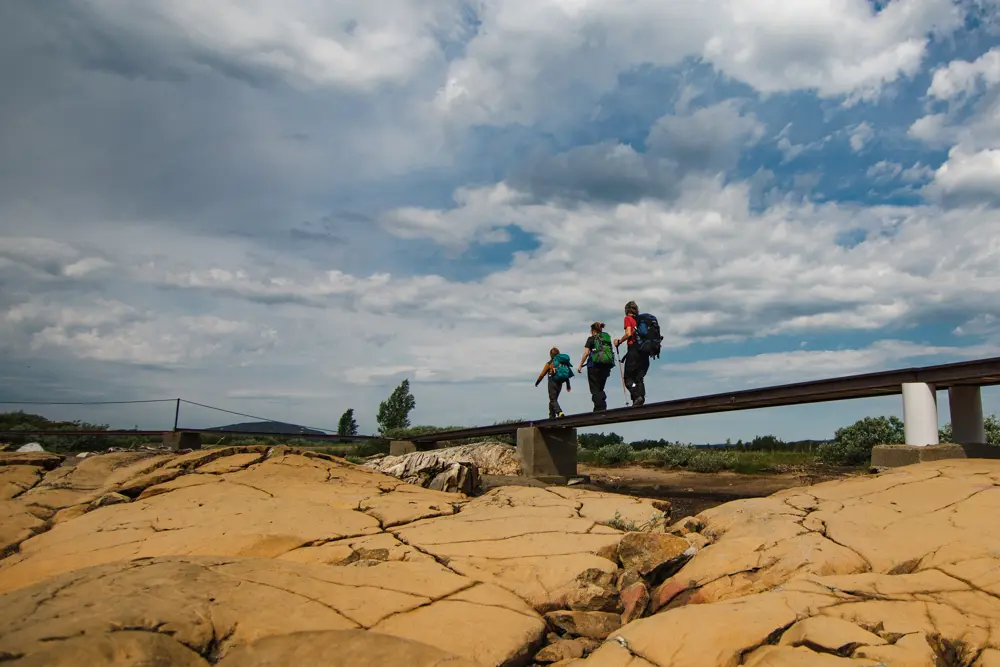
693, 492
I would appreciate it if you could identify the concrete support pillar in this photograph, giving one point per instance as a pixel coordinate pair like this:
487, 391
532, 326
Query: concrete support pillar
547, 453
400, 447
920, 418
181, 440
966, 406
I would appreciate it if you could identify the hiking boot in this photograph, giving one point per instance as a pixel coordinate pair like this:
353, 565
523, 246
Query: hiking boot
560, 415
637, 402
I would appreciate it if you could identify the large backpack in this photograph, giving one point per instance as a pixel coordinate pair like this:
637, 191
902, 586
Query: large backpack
603, 353
647, 332
563, 366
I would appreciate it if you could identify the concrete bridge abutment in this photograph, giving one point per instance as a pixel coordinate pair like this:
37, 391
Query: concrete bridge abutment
548, 453
920, 426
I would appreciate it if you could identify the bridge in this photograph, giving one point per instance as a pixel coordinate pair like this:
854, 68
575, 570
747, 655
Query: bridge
548, 447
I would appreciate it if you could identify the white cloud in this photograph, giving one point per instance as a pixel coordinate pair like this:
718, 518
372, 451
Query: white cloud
860, 136
354, 45
528, 56
803, 365
960, 78
884, 170
968, 178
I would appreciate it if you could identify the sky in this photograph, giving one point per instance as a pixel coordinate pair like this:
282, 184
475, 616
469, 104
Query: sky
286, 208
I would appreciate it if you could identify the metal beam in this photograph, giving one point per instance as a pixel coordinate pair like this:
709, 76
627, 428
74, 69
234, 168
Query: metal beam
981, 372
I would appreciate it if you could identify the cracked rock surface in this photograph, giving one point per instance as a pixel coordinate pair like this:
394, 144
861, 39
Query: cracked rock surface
901, 568
270, 555
275, 556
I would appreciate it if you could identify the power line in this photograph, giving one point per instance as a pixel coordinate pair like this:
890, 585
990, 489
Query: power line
243, 414
154, 400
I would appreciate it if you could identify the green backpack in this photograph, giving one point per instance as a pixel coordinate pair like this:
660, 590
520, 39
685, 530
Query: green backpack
563, 366
603, 353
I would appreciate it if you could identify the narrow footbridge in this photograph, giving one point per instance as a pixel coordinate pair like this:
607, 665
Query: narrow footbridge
548, 447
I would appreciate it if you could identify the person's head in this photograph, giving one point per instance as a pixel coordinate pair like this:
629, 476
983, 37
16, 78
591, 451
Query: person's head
597, 327
631, 309
553, 352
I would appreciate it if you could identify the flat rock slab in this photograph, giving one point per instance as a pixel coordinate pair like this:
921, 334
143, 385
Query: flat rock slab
204, 608
200, 554
46, 460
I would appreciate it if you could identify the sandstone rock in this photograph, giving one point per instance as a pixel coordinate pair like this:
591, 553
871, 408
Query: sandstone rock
432, 470
109, 499
832, 635
213, 605
697, 540
129, 648
688, 524
564, 649
786, 656
31, 447
591, 597
16, 479
17, 524
635, 600
646, 552
340, 648
37, 458
489, 458
591, 624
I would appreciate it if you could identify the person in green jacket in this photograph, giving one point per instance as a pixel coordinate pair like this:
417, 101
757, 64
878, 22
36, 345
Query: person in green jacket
559, 368
599, 355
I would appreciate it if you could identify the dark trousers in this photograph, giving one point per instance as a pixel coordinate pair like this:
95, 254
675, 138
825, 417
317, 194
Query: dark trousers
555, 386
597, 376
636, 365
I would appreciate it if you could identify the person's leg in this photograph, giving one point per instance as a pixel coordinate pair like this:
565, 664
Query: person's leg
605, 374
641, 367
594, 375
555, 386
630, 371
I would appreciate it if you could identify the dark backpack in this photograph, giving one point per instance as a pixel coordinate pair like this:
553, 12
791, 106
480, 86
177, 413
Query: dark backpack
647, 333
563, 366
603, 353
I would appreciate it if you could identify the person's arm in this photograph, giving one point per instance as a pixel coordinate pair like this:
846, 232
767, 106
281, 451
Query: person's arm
628, 334
583, 359
545, 370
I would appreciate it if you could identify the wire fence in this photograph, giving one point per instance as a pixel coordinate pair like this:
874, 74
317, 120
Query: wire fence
66, 416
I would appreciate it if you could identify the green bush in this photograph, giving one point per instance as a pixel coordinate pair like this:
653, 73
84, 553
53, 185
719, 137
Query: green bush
613, 454
852, 445
991, 423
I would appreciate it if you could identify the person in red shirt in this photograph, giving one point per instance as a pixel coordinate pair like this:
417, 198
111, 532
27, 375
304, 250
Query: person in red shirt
636, 362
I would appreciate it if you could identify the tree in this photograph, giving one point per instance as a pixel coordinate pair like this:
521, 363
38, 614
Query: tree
394, 412
347, 425
991, 424
852, 445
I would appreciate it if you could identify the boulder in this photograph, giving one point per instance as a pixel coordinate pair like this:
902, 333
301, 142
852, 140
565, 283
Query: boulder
635, 600
564, 649
647, 552
35, 457
590, 624
431, 471
30, 447
591, 597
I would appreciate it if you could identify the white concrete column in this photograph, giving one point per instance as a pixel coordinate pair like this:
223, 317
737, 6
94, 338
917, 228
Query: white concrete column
920, 419
966, 404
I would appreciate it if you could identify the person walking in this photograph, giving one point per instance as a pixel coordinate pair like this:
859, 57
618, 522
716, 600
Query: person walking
559, 368
600, 358
636, 360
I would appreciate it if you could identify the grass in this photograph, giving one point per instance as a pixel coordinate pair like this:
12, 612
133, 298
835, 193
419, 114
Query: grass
698, 460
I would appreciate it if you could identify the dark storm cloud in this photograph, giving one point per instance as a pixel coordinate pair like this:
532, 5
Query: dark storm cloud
709, 140
607, 172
